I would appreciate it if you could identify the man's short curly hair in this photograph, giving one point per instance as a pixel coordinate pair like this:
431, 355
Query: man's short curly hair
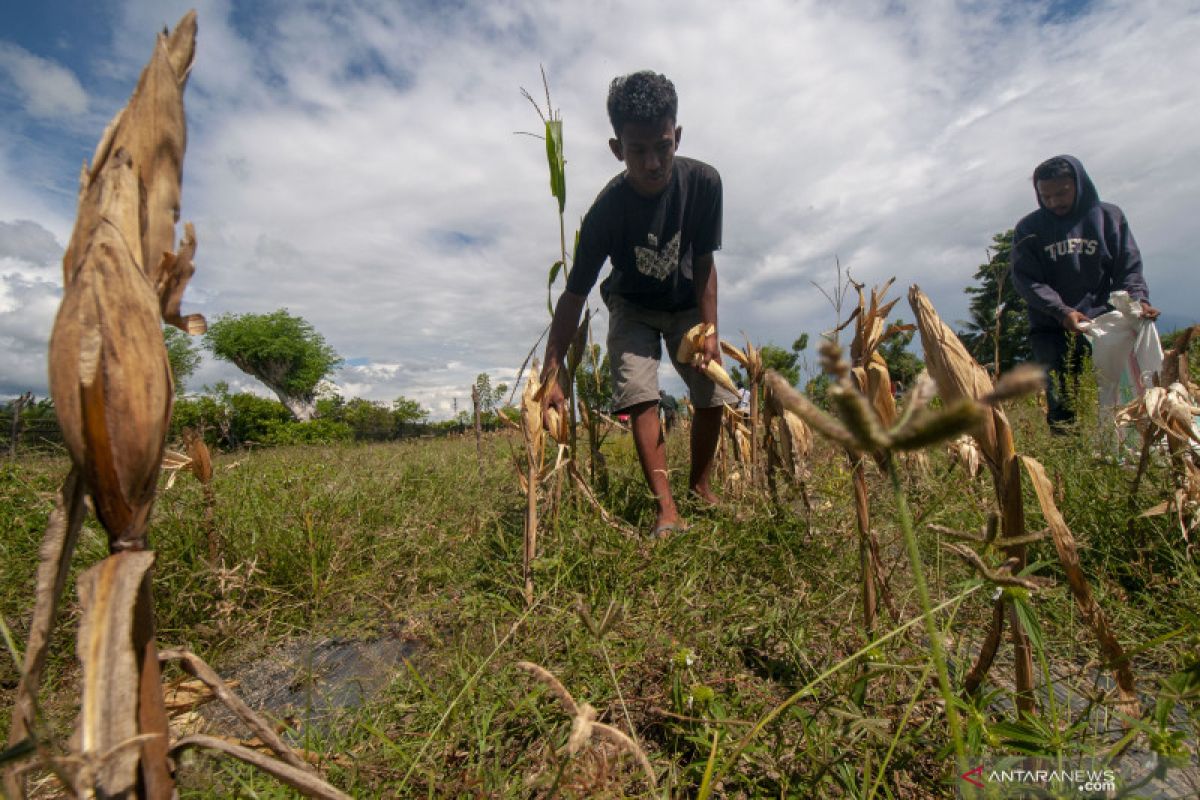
641, 97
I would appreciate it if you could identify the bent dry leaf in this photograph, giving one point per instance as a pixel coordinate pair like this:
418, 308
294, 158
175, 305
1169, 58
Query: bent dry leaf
1089, 609
301, 780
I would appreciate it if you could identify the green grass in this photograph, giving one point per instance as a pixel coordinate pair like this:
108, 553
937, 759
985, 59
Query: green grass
711, 631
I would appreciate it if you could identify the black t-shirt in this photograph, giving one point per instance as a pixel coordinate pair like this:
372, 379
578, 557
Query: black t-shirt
651, 242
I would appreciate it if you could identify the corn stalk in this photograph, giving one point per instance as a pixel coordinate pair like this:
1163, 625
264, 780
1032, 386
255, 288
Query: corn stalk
534, 471
112, 389
958, 377
870, 374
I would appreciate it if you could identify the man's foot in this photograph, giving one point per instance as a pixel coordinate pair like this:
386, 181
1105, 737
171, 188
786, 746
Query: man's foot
662, 530
703, 499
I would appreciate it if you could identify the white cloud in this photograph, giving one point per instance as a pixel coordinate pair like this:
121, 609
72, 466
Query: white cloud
359, 167
47, 89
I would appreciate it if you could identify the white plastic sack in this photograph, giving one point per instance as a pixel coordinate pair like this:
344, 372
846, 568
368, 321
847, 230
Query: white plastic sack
1125, 350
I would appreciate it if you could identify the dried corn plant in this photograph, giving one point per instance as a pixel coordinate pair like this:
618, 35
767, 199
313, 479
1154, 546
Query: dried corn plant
112, 389
869, 372
788, 443
959, 377
534, 470
1166, 413
858, 427
750, 359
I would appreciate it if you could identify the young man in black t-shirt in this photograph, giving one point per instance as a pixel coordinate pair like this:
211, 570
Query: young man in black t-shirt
658, 223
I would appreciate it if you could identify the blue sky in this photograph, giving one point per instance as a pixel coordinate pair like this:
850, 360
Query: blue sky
355, 162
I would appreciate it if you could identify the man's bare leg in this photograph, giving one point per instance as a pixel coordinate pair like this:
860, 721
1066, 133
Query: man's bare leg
706, 432
652, 453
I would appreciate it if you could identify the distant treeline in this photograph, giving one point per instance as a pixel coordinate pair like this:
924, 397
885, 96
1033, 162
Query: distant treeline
232, 421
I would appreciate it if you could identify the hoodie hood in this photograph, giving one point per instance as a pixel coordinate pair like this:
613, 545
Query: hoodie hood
1086, 196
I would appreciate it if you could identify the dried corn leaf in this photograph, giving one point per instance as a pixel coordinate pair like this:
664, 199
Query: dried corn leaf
196, 667
801, 406
54, 562
201, 460
151, 129
111, 679
301, 780
1089, 609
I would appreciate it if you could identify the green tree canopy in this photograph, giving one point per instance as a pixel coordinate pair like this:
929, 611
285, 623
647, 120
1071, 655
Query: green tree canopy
283, 351
903, 365
183, 355
408, 411
996, 306
785, 362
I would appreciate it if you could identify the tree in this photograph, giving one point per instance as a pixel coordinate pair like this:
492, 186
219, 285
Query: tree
408, 412
785, 362
183, 355
284, 352
903, 365
1009, 328
490, 399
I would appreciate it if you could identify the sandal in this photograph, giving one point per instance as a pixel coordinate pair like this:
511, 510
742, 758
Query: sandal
665, 529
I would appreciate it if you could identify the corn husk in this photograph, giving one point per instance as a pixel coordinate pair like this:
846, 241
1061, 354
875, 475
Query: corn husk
964, 451
109, 374
956, 373
689, 351
200, 460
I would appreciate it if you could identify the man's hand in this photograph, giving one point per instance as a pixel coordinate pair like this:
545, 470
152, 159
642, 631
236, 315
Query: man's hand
553, 398
711, 351
1149, 312
1076, 321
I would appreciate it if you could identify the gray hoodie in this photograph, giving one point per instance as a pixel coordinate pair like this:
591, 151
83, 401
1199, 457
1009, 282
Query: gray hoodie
1074, 262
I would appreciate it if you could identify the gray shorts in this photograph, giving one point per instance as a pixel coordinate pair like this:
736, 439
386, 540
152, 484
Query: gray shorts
635, 339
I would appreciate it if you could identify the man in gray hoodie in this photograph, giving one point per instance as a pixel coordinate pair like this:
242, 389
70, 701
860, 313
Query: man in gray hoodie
1067, 257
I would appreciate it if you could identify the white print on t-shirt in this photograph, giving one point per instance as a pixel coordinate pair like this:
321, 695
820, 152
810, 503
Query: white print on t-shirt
1085, 246
658, 265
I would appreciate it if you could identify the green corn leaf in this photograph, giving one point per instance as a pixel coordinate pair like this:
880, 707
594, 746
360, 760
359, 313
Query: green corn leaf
558, 168
555, 268
1029, 621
